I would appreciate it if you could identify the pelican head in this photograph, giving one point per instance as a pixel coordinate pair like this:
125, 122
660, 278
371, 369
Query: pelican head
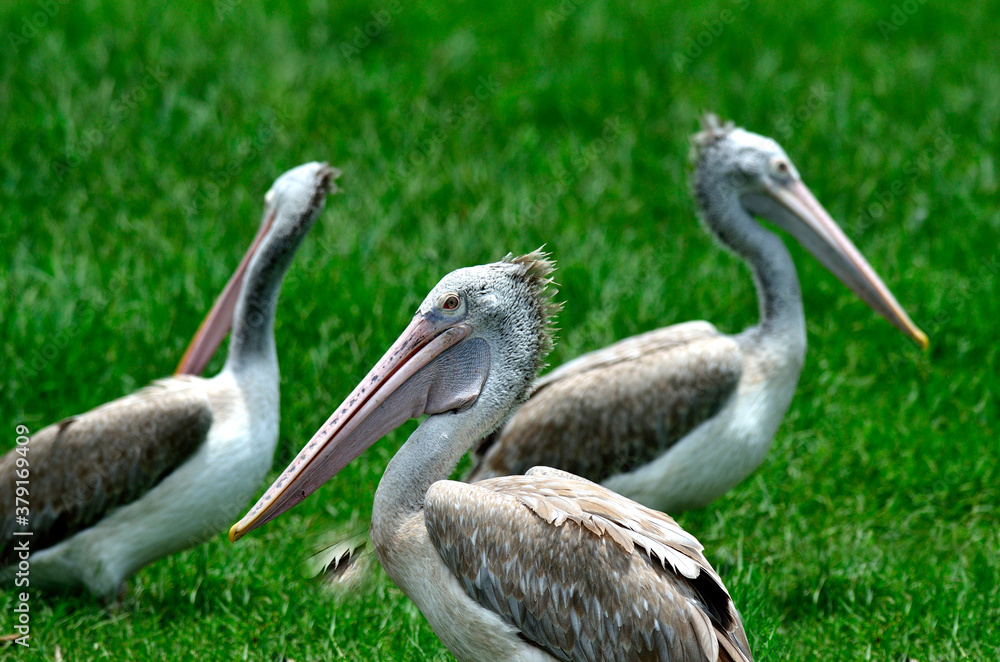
291, 206
294, 201
472, 350
739, 174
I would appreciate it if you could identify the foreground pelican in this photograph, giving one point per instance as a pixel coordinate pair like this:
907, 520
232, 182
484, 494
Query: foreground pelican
546, 566
676, 417
164, 468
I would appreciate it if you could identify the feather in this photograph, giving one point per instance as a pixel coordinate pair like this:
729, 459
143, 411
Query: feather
546, 571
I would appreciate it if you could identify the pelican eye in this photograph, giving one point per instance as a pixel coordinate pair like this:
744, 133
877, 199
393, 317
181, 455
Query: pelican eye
781, 167
450, 302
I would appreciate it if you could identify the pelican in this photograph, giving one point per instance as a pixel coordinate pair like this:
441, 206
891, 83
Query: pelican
675, 417
541, 567
162, 469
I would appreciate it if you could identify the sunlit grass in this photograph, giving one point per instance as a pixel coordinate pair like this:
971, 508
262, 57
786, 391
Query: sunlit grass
136, 147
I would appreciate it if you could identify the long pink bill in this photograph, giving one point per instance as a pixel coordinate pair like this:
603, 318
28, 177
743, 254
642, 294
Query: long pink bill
428, 370
801, 214
219, 321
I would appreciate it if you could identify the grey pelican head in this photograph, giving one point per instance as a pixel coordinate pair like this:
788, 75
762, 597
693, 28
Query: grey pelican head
739, 174
472, 351
291, 206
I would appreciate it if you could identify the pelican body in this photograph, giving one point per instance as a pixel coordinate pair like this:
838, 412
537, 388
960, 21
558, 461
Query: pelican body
162, 469
541, 567
675, 417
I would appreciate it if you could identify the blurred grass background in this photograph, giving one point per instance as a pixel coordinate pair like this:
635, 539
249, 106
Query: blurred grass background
138, 141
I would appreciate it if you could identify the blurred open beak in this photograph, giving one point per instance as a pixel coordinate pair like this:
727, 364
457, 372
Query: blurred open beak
805, 218
406, 383
219, 320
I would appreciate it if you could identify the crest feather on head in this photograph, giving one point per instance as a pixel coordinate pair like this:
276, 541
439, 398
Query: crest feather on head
712, 131
536, 269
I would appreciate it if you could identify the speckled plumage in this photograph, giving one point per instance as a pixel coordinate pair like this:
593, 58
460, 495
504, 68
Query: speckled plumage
676, 417
618, 408
535, 568
582, 572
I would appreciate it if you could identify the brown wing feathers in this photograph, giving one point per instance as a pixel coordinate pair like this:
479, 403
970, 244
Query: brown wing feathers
618, 408
84, 467
582, 572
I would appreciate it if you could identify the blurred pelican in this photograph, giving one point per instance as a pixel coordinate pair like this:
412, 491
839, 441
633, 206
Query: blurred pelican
675, 417
162, 469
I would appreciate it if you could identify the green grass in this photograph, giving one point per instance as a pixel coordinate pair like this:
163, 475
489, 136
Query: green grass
137, 142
